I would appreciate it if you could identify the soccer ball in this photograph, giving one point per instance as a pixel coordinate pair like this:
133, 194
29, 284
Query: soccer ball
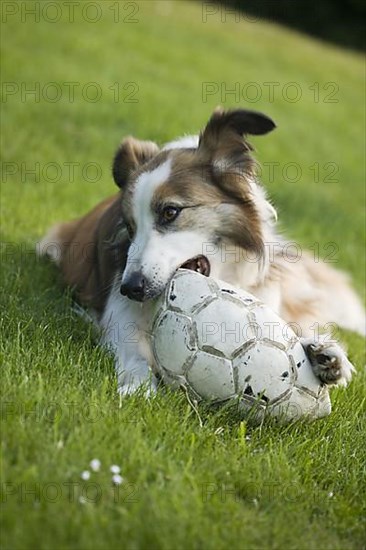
222, 344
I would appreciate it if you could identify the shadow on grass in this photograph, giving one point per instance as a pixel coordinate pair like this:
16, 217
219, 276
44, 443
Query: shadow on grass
33, 290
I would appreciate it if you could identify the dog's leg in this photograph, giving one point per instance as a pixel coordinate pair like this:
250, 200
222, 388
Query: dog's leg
329, 360
122, 333
133, 372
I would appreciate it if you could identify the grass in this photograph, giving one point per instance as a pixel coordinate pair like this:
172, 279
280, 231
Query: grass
186, 486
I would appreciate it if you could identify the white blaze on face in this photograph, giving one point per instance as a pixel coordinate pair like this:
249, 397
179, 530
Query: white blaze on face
146, 185
157, 254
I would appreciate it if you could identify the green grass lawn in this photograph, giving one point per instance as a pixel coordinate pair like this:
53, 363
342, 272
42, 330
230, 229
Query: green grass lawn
185, 486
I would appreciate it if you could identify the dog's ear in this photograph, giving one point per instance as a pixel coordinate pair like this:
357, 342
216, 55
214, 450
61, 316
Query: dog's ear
131, 154
225, 131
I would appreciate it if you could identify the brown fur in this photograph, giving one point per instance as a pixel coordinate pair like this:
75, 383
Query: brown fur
89, 257
131, 154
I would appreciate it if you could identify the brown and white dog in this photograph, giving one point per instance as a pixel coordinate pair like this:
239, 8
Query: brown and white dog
195, 203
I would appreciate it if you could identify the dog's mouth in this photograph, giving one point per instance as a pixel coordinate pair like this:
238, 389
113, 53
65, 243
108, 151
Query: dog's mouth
199, 264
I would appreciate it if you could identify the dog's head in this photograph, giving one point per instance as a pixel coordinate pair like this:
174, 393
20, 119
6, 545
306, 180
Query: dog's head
194, 204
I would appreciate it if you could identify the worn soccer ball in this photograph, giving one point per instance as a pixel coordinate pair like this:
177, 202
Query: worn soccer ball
222, 344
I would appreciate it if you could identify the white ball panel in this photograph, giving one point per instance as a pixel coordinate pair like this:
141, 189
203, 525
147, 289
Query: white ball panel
245, 297
271, 327
211, 377
222, 325
174, 341
263, 369
188, 290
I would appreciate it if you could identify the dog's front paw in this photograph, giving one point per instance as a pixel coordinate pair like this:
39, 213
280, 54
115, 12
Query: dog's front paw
330, 363
146, 387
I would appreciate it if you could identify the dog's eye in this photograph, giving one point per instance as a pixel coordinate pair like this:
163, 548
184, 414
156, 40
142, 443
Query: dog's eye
169, 214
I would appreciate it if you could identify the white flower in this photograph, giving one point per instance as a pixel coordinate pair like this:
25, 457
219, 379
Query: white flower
95, 464
85, 475
82, 500
117, 479
115, 469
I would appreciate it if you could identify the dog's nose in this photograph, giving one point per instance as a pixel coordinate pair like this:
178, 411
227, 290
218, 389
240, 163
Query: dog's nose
134, 287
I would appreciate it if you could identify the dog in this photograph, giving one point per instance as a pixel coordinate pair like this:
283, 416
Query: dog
196, 203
